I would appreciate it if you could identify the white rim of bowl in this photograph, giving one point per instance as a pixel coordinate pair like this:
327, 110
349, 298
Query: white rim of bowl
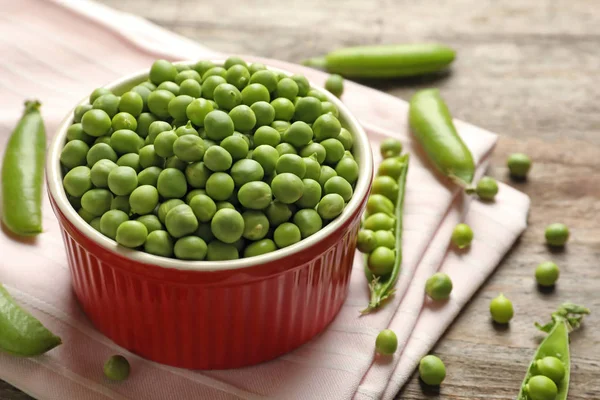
361, 151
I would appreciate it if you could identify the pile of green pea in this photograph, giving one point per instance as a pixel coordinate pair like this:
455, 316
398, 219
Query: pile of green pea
209, 162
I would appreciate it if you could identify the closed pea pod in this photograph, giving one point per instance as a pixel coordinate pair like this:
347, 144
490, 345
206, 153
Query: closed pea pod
432, 126
545, 377
386, 61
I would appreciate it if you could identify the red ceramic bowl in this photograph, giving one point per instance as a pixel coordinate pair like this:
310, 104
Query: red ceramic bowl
211, 315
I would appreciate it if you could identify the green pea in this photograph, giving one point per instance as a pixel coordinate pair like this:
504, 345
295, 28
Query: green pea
188, 74
329, 108
189, 148
287, 187
219, 251
175, 162
326, 173
313, 169
122, 180
243, 118
299, 134
220, 186
486, 188
266, 78
109, 103
227, 225
227, 96
149, 158
120, 203
97, 93
202, 66
519, 165
162, 70
143, 199
541, 388
159, 243
169, 86
347, 168
255, 195
432, 370
547, 273
99, 152
143, 92
254, 67
126, 141
390, 148
381, 261
95, 223
148, 84
391, 167
132, 103
278, 213
307, 109
284, 109
238, 76
552, 368
75, 132
123, 120
377, 203
218, 125
79, 111
501, 309
217, 159
385, 239
74, 154
287, 88
334, 151
385, 186
266, 135
177, 107
181, 221
155, 128
209, 85
87, 216
245, 170
438, 286
330, 206
197, 174
197, 111
335, 84
303, 84
225, 204
308, 221
215, 71
291, 163
263, 112
311, 194
131, 234
259, 247
366, 241
326, 126
346, 138
151, 222
379, 221
339, 185
285, 148
116, 368
158, 102
256, 225
131, 160
110, 222
314, 148
190, 87
78, 181
191, 248
462, 236
386, 342
171, 183
254, 93
556, 234
317, 95
267, 157
286, 235
167, 206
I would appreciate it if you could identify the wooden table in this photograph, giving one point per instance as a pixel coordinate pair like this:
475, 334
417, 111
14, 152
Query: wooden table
526, 70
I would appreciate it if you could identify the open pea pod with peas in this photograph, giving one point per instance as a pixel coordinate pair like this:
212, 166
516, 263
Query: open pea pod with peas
432, 126
548, 375
381, 235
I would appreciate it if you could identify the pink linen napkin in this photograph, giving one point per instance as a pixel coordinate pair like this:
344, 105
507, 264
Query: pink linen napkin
66, 48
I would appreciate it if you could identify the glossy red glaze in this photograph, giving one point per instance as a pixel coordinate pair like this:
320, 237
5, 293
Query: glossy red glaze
212, 320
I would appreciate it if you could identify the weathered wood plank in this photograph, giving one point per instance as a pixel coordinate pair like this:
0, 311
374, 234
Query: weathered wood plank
526, 70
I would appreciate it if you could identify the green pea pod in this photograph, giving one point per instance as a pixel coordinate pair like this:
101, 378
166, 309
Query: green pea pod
556, 344
20, 333
382, 287
431, 124
23, 173
385, 61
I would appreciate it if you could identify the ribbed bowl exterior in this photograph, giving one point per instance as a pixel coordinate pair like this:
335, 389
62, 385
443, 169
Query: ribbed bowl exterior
211, 320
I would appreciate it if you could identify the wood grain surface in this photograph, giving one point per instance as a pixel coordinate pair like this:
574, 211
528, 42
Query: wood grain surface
527, 70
